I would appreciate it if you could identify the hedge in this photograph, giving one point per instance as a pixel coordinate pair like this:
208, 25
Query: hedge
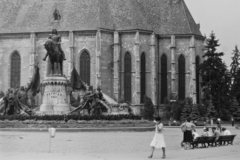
68, 117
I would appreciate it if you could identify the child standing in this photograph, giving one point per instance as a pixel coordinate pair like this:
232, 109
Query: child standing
158, 139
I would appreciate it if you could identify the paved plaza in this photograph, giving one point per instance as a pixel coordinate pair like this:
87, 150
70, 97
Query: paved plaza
106, 146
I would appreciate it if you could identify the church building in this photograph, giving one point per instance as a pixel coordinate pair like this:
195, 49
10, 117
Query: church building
130, 48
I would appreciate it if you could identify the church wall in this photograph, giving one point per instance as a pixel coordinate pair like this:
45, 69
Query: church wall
199, 52
145, 47
199, 49
65, 46
8, 44
164, 48
40, 53
86, 41
182, 48
127, 45
107, 63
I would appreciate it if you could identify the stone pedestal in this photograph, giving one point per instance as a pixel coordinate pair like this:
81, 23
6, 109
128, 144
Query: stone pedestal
120, 109
55, 96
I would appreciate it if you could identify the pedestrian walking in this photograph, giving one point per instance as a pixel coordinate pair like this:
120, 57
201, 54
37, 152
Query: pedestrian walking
158, 139
187, 128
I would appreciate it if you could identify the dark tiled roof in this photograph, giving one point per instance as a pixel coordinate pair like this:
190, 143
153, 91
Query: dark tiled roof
162, 16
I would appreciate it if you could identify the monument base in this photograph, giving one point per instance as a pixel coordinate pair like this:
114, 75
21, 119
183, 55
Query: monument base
55, 96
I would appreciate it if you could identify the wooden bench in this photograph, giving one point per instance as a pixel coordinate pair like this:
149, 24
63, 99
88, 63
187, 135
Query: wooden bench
225, 140
213, 141
203, 141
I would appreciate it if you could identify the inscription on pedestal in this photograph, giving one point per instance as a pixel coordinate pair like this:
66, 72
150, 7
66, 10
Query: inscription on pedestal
55, 96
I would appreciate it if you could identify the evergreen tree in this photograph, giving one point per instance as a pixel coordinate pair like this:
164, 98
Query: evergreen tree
202, 110
195, 113
236, 114
234, 106
235, 74
186, 110
148, 111
211, 112
235, 62
216, 78
235, 89
173, 109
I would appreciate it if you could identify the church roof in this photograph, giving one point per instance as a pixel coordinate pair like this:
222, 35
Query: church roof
161, 16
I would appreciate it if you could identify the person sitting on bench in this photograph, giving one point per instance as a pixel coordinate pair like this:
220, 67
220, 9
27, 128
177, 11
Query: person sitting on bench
195, 134
225, 132
216, 133
209, 133
205, 133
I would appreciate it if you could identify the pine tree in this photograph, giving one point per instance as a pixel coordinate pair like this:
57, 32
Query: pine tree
216, 78
184, 113
195, 113
235, 74
235, 62
148, 108
235, 89
211, 113
186, 110
236, 114
234, 106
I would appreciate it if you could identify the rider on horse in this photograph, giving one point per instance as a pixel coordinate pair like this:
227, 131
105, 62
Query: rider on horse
57, 39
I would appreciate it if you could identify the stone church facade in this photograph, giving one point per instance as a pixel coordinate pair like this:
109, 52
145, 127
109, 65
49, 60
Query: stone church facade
130, 48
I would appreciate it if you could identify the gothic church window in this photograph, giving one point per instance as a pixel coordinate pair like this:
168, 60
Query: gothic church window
197, 79
127, 77
143, 77
163, 78
181, 78
15, 70
85, 62
56, 15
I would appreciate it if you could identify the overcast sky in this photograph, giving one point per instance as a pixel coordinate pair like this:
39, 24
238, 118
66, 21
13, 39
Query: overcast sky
222, 17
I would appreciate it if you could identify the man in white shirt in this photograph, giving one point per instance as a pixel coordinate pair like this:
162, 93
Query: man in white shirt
195, 134
226, 132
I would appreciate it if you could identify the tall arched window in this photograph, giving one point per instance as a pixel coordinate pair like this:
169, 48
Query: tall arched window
85, 62
163, 78
197, 79
56, 15
143, 77
15, 70
181, 78
127, 77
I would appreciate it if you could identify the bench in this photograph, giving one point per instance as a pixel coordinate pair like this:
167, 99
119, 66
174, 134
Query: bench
213, 141
223, 140
210, 141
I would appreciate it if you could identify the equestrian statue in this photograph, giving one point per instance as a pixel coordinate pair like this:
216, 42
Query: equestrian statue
55, 52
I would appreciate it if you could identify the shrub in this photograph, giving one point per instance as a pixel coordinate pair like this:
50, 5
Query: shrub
148, 110
69, 117
173, 109
195, 113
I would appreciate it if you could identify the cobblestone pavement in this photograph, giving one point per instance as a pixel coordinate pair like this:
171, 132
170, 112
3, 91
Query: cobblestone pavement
105, 145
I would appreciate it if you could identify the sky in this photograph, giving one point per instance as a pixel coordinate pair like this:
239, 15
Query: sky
223, 18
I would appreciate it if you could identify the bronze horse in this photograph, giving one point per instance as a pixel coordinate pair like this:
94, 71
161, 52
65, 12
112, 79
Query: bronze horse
55, 55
